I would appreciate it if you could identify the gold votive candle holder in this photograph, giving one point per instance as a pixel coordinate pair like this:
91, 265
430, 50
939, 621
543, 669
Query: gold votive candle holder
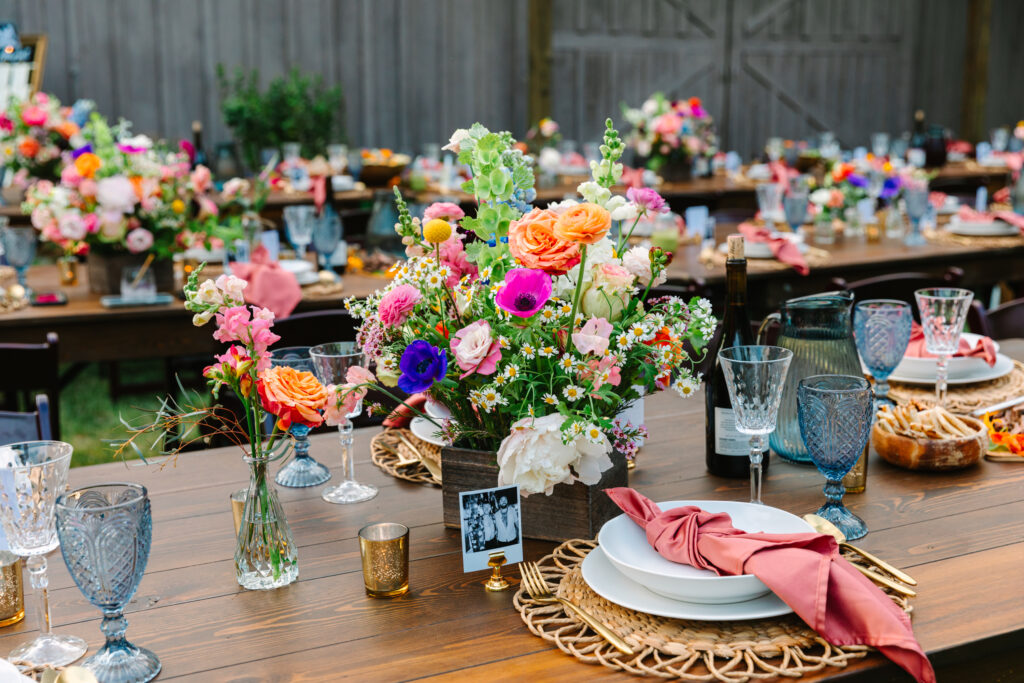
856, 479
238, 507
12, 591
384, 548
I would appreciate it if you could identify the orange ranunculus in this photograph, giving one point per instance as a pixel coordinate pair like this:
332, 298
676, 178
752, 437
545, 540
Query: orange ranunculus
531, 239
66, 129
87, 164
585, 223
292, 395
28, 147
694, 102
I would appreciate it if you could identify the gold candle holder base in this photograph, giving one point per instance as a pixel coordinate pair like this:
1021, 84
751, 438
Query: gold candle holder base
631, 464
496, 582
12, 593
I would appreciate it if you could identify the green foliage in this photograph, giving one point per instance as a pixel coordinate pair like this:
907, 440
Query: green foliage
295, 108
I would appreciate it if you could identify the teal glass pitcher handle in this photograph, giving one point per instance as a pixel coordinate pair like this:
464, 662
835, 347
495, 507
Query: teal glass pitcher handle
765, 324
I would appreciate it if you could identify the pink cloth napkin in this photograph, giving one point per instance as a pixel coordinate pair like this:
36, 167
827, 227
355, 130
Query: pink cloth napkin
632, 177
784, 250
804, 570
969, 215
402, 415
270, 285
782, 173
937, 199
984, 349
1014, 160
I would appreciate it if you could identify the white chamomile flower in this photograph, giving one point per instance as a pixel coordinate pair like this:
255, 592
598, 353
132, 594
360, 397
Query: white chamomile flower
638, 332
434, 280
527, 352
576, 429
593, 433
548, 314
546, 351
388, 363
624, 341
665, 354
476, 398
490, 398
573, 392
685, 386
512, 373
499, 380
581, 367
567, 363
565, 309
485, 274
495, 289
578, 320
503, 342
529, 410
550, 399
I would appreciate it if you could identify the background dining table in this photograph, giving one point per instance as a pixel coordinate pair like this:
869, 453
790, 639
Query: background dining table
961, 534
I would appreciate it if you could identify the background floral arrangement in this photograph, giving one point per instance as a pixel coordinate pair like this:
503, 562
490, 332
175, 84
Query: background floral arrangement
667, 131
34, 133
530, 324
546, 133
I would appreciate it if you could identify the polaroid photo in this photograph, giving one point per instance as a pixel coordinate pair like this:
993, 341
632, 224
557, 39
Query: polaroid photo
491, 522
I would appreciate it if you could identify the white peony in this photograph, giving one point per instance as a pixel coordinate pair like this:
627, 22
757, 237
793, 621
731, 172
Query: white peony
821, 197
593, 459
116, 194
602, 252
534, 457
638, 261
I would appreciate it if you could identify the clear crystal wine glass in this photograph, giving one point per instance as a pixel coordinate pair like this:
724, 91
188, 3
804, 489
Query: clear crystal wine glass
835, 414
299, 221
302, 470
105, 532
769, 198
882, 330
755, 376
19, 249
943, 312
916, 198
32, 475
331, 363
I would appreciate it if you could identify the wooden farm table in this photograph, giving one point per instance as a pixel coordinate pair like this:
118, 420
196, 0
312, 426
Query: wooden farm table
960, 534
89, 332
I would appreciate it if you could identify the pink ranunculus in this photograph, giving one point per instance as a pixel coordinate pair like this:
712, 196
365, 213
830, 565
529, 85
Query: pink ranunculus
647, 200
397, 304
34, 116
475, 349
92, 223
612, 277
444, 210
835, 199
70, 176
593, 337
138, 240
72, 226
41, 217
201, 179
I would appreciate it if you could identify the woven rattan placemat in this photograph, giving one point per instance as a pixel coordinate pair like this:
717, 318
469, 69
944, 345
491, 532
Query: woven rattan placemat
728, 651
964, 398
815, 258
978, 241
393, 446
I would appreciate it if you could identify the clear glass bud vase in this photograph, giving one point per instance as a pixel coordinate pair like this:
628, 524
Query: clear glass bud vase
265, 552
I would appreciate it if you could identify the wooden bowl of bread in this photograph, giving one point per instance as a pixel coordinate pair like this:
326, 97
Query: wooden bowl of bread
920, 437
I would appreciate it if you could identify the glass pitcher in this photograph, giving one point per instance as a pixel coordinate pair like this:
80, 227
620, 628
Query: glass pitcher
819, 330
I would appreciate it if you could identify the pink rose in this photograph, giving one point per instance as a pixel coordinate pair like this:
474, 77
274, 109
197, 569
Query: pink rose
138, 240
41, 217
34, 116
475, 349
397, 304
445, 210
593, 337
116, 194
612, 277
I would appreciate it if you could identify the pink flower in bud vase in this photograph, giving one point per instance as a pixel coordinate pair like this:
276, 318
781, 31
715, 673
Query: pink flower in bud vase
524, 292
357, 374
475, 349
397, 304
139, 240
593, 337
647, 200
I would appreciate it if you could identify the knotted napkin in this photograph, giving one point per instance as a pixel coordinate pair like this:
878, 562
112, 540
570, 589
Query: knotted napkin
804, 570
784, 250
984, 349
270, 285
403, 414
969, 215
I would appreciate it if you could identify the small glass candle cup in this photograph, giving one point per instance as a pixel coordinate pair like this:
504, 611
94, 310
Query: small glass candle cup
384, 548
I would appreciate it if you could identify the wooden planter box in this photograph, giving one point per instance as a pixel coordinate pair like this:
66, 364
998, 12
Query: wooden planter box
105, 271
576, 511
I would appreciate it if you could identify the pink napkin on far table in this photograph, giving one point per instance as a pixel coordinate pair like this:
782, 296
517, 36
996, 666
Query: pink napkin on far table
784, 250
270, 285
969, 215
984, 349
804, 570
937, 199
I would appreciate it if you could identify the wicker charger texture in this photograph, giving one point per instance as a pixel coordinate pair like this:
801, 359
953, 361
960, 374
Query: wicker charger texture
964, 398
978, 241
320, 290
728, 651
815, 258
392, 447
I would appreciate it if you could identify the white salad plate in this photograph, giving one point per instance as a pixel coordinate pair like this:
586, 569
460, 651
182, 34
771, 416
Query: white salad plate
605, 580
296, 265
991, 229
1004, 366
626, 547
763, 249
425, 430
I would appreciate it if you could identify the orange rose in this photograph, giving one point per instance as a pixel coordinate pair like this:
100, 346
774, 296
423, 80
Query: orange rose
292, 395
531, 239
87, 164
28, 147
586, 223
66, 129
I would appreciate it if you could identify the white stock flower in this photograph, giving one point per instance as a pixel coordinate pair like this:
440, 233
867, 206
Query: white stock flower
621, 209
594, 193
458, 137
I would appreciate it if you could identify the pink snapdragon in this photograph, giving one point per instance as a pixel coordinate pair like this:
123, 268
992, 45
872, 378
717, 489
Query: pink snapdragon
453, 255
397, 304
647, 200
475, 349
593, 337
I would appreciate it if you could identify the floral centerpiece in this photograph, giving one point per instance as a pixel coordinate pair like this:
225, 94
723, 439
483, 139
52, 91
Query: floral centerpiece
532, 325
669, 134
34, 133
545, 134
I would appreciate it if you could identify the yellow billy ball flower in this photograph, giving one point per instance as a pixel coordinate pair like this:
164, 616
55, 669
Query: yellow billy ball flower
436, 231
178, 206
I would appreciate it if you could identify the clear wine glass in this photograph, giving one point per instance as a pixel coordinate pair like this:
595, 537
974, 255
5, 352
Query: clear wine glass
916, 198
300, 221
302, 470
32, 475
769, 198
882, 330
19, 249
755, 376
794, 205
773, 148
943, 312
331, 363
105, 534
880, 145
326, 237
835, 414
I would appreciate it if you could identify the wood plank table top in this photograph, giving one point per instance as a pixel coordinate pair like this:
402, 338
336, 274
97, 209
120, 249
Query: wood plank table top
960, 534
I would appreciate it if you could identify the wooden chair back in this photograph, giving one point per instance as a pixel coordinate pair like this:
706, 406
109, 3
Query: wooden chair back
33, 426
29, 369
899, 286
1002, 322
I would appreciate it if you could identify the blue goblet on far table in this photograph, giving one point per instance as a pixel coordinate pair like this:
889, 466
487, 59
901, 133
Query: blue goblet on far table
302, 470
882, 329
19, 249
835, 414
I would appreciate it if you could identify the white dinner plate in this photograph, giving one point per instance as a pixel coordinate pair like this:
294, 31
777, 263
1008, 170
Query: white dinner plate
627, 548
307, 278
761, 250
965, 367
424, 430
951, 206
605, 580
436, 410
1004, 366
295, 265
982, 229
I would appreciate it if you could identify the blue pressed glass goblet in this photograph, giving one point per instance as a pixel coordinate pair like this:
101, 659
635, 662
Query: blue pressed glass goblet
105, 532
835, 413
916, 198
882, 329
794, 205
302, 470
19, 249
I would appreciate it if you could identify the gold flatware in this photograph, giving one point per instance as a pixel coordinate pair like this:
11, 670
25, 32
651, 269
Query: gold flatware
823, 526
538, 589
402, 461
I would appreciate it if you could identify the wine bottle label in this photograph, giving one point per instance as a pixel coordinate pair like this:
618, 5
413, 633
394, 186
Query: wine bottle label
727, 440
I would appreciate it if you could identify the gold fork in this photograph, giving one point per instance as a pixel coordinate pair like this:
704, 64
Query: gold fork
538, 589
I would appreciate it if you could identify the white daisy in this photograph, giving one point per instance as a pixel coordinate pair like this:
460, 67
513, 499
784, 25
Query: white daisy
573, 392
685, 386
503, 342
546, 351
624, 341
548, 314
499, 380
550, 399
512, 373
527, 352
567, 363
593, 433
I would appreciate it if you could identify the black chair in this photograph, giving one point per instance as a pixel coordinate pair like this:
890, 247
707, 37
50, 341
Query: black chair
899, 286
316, 327
33, 426
29, 369
1002, 322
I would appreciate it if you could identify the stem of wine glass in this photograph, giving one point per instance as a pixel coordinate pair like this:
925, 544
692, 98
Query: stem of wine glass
36, 565
113, 626
348, 463
941, 376
834, 490
23, 276
756, 448
882, 390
